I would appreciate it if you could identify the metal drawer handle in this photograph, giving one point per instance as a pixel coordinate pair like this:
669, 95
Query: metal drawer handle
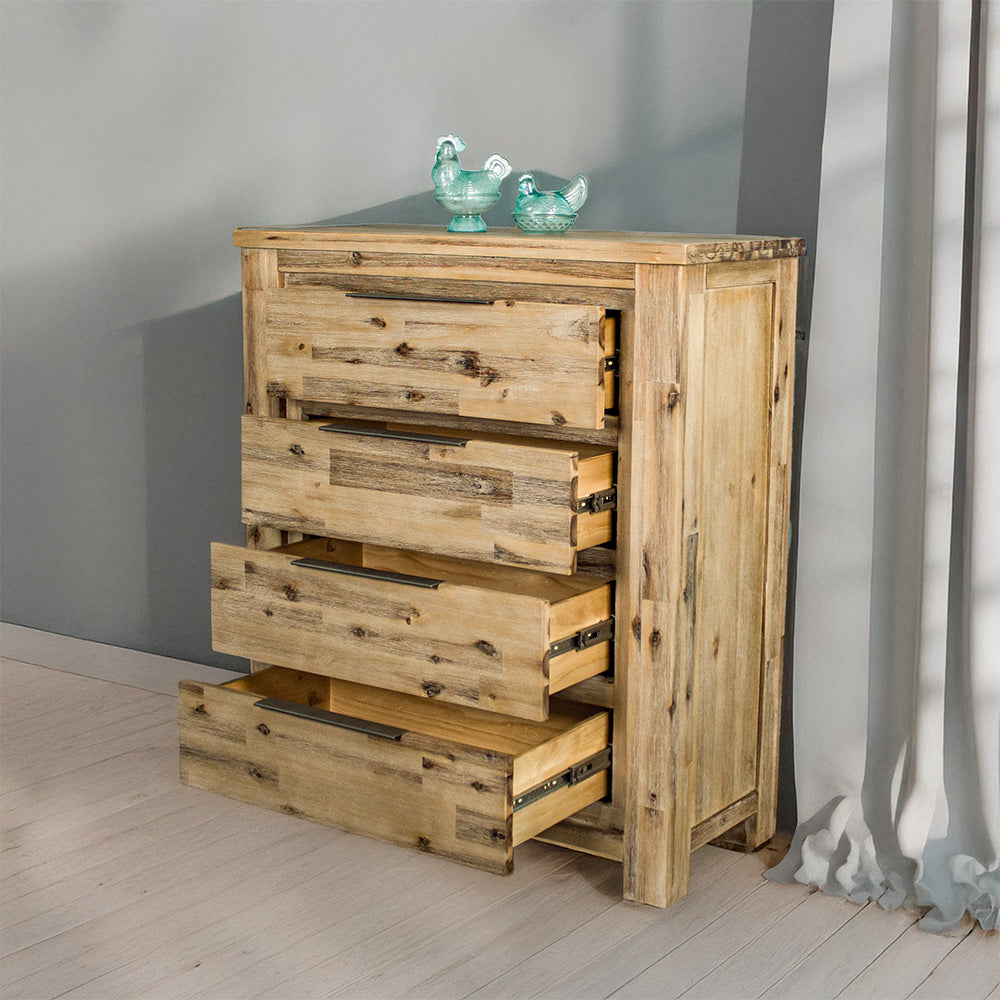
396, 435
402, 297
369, 574
330, 718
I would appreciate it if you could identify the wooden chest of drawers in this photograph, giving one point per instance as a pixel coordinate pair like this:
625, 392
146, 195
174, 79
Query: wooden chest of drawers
517, 534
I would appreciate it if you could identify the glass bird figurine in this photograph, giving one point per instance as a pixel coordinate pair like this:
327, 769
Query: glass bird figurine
548, 211
466, 193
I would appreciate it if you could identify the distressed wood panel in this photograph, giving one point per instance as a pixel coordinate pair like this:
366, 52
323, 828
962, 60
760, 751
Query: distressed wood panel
481, 638
443, 266
606, 436
653, 690
434, 789
575, 245
490, 501
734, 456
525, 362
594, 295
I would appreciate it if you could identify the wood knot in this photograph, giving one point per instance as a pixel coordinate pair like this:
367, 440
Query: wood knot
435, 658
268, 612
431, 689
378, 322
200, 710
414, 396
655, 638
487, 647
403, 350
479, 786
255, 774
302, 347
290, 591
558, 419
290, 809
355, 258
673, 399
426, 763
358, 631
498, 835
637, 628
777, 392
297, 449
263, 730
314, 699
423, 843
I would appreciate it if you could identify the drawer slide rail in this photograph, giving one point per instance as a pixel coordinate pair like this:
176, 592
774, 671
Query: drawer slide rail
590, 636
596, 502
600, 761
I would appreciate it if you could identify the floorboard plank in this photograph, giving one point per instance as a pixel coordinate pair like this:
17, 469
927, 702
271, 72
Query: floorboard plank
902, 967
760, 963
836, 962
593, 944
970, 970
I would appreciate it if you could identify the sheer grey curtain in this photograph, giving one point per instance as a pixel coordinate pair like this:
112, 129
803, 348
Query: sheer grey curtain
896, 690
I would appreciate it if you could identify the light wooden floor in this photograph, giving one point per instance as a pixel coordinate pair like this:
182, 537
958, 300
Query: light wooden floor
119, 882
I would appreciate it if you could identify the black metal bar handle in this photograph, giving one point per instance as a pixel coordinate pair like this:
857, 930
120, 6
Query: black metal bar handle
396, 435
388, 576
331, 718
411, 297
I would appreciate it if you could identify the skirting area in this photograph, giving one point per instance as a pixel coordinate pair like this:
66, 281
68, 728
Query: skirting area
120, 882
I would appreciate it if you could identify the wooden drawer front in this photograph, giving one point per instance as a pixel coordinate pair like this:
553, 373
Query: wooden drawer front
485, 499
446, 782
470, 638
530, 362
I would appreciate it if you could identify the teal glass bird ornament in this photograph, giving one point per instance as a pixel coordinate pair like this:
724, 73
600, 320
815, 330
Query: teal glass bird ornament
548, 211
466, 193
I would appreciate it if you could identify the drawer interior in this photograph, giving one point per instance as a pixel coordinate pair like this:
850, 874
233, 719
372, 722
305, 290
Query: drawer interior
491, 498
462, 783
539, 749
575, 603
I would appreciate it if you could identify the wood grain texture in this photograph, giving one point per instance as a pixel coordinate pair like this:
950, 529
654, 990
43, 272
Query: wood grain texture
533, 363
481, 638
606, 436
260, 274
650, 655
732, 539
430, 790
776, 579
490, 501
438, 266
610, 296
575, 245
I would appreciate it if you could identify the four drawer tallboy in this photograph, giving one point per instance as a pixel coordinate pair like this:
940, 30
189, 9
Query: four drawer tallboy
517, 517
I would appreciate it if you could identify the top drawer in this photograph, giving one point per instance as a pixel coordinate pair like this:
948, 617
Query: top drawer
531, 362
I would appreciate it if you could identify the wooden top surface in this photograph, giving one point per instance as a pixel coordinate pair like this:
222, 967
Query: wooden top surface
633, 248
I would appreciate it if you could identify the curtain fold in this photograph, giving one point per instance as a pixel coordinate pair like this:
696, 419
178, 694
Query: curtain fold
896, 690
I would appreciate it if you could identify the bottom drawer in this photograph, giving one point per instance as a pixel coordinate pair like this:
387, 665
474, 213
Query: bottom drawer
461, 783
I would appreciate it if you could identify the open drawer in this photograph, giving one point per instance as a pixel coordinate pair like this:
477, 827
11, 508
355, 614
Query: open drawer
490, 498
461, 783
534, 362
472, 634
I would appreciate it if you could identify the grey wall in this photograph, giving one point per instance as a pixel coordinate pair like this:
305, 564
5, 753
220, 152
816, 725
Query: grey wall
136, 136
